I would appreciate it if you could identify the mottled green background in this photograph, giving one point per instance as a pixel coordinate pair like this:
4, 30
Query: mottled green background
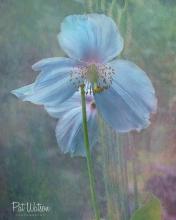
31, 165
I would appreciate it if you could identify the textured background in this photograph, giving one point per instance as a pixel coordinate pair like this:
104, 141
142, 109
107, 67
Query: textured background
31, 165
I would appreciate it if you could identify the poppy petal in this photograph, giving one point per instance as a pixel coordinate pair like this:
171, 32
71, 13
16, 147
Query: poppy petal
130, 100
69, 130
90, 38
53, 83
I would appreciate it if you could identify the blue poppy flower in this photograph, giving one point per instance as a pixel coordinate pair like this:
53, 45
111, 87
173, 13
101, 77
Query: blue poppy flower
69, 129
123, 93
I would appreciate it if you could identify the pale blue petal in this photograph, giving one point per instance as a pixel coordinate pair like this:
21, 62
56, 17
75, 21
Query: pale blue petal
136, 83
53, 83
130, 100
58, 110
90, 38
23, 92
69, 131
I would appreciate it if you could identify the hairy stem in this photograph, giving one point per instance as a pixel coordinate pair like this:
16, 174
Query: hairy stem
88, 156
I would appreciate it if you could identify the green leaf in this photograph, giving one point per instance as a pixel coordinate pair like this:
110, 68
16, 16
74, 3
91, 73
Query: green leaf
150, 211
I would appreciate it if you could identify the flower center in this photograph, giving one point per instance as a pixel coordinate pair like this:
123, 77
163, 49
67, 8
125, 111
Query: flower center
95, 77
92, 73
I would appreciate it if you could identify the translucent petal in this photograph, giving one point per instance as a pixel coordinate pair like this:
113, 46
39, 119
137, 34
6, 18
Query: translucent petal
130, 100
53, 83
69, 130
90, 38
24, 91
58, 110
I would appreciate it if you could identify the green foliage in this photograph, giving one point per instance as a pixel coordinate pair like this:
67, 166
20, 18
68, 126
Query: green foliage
151, 210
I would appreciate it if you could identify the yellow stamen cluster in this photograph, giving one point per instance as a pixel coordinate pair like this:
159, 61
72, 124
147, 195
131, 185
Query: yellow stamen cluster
98, 89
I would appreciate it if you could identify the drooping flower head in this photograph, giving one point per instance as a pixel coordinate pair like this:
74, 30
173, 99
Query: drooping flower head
123, 93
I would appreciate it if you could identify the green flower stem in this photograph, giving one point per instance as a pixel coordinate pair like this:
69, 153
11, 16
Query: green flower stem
126, 186
110, 10
110, 167
121, 167
89, 6
105, 160
135, 184
122, 13
97, 5
88, 156
103, 6
134, 167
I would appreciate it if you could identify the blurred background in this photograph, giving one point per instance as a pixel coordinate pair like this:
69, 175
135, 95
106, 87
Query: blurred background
32, 169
